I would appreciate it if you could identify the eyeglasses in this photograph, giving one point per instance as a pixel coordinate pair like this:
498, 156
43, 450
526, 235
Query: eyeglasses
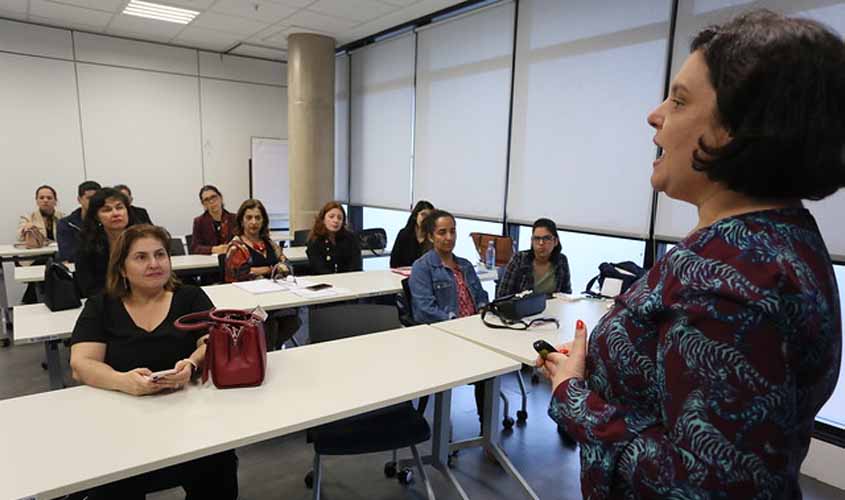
542, 239
210, 199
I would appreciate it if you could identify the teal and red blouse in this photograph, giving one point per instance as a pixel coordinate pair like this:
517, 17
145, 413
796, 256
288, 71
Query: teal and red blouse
705, 378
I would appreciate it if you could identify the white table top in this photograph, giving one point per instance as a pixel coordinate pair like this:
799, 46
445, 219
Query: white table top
519, 345
10, 250
36, 323
28, 274
107, 436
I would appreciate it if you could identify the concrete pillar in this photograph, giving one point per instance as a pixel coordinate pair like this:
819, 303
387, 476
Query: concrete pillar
310, 126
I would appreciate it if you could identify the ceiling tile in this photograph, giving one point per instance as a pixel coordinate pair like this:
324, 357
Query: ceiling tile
108, 5
266, 12
403, 3
68, 15
357, 10
292, 3
123, 23
17, 6
320, 22
197, 5
65, 24
264, 37
266, 53
281, 38
206, 39
229, 24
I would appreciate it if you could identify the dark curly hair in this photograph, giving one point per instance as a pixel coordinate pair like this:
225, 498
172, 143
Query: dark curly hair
780, 93
92, 236
264, 232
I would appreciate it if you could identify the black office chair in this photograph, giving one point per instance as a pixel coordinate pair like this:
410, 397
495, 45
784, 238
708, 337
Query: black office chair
188, 239
300, 238
176, 247
221, 266
397, 426
407, 319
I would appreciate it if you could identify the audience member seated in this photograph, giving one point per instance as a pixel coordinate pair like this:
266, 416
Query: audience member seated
443, 285
139, 215
39, 228
332, 248
543, 269
253, 255
107, 217
126, 333
215, 227
69, 227
411, 242
45, 218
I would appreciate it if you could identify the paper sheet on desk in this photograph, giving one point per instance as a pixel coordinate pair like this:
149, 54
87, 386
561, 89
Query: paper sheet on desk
314, 294
261, 286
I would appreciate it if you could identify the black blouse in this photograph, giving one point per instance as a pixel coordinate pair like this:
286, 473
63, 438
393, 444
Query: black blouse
343, 256
92, 265
128, 346
406, 249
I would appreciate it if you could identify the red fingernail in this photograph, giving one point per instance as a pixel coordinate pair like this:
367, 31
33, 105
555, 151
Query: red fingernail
564, 351
579, 325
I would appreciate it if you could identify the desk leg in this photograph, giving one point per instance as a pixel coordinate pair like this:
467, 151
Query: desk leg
440, 439
54, 365
5, 312
491, 434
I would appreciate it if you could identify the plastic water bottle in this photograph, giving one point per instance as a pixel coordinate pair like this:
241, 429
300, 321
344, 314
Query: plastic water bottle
490, 255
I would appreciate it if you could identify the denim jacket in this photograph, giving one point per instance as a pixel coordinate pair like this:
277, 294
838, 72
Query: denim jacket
433, 289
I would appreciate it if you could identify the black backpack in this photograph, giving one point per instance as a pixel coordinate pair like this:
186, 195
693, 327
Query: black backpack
627, 272
60, 290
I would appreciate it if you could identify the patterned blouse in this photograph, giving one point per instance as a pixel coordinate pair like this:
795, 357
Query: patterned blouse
705, 378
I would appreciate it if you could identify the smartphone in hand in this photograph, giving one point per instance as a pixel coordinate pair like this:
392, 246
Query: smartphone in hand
156, 376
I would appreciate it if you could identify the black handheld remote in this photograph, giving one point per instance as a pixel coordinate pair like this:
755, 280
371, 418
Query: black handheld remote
544, 348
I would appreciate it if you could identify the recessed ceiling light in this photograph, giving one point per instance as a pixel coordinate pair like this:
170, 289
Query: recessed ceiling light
160, 12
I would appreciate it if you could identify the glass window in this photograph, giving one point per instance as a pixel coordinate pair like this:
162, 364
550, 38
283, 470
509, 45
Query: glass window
392, 221
586, 251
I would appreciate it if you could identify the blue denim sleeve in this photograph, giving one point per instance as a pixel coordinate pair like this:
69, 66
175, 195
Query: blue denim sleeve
424, 304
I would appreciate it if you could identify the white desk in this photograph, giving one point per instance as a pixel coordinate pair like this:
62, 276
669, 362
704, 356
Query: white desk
10, 253
519, 345
106, 436
36, 323
28, 274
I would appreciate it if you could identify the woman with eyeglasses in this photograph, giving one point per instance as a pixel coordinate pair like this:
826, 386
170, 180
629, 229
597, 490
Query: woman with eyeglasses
543, 269
214, 229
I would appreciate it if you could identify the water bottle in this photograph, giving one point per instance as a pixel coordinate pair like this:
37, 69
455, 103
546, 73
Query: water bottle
490, 255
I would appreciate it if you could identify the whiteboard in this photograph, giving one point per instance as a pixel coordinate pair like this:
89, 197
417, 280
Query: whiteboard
269, 180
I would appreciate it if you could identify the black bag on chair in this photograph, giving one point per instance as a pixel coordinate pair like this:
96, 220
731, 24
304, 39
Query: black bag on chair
60, 290
627, 272
372, 239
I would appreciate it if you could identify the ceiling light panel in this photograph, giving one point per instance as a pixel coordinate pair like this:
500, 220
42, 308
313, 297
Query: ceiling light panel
161, 12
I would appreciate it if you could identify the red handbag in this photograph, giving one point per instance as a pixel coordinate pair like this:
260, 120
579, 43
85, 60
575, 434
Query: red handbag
236, 351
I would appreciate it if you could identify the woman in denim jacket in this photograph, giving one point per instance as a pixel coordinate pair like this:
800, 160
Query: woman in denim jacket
443, 285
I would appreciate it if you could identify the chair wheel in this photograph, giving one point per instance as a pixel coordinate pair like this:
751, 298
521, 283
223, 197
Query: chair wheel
507, 423
405, 476
390, 469
309, 480
535, 379
521, 416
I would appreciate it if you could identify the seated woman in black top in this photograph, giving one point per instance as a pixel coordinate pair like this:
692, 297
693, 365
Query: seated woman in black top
107, 216
331, 247
127, 333
543, 269
411, 242
253, 255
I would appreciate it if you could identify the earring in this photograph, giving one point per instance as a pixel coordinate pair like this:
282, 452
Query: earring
125, 283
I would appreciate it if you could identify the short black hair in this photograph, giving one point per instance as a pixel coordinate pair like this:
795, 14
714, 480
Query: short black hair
209, 187
45, 186
87, 186
123, 187
430, 221
92, 236
780, 94
419, 207
264, 232
550, 226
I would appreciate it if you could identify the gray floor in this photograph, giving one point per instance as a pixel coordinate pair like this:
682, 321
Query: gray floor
275, 469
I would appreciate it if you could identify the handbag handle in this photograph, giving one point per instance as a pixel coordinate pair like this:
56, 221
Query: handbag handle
229, 316
203, 319
193, 321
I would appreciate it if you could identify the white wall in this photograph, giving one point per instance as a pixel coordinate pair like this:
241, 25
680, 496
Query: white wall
162, 119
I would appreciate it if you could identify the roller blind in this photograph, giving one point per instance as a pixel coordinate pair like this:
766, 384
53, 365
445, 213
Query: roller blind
341, 128
587, 74
462, 112
382, 104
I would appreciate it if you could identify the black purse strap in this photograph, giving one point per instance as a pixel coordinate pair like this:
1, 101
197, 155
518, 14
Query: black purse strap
513, 325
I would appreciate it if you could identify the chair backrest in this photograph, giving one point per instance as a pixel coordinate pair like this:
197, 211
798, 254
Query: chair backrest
221, 265
406, 316
176, 246
188, 239
502, 244
350, 320
300, 237
373, 239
